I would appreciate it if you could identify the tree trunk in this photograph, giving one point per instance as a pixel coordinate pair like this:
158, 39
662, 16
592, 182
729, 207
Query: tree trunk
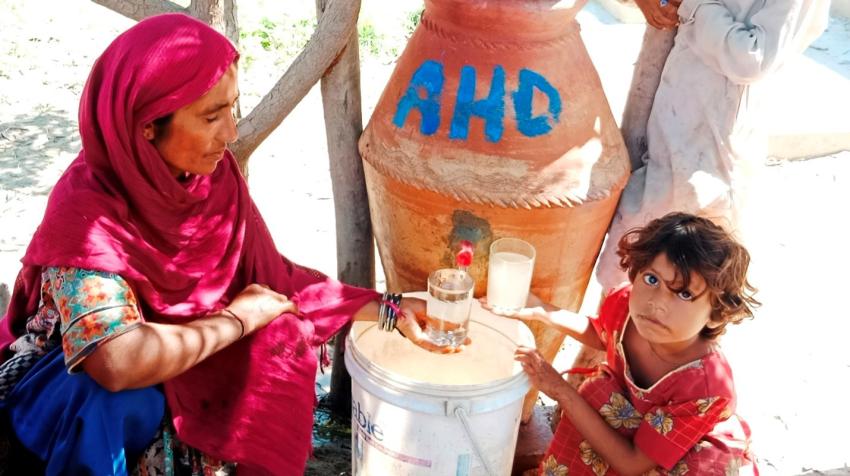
219, 14
647, 75
4, 298
355, 249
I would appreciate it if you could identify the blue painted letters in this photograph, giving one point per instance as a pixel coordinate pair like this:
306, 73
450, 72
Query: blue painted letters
425, 87
523, 98
428, 77
492, 109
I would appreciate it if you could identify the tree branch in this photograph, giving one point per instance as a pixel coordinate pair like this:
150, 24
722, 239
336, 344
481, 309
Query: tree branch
333, 31
140, 9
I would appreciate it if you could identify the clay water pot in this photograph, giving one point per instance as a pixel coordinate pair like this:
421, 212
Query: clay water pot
494, 124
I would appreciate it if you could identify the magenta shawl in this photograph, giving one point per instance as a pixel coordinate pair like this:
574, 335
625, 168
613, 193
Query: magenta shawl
186, 248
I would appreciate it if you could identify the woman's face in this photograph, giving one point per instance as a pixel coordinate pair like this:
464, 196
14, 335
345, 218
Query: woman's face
195, 139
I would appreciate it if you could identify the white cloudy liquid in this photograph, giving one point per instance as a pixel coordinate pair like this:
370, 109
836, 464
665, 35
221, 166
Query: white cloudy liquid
508, 280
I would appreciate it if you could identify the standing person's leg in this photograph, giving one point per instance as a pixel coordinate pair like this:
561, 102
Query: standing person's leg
78, 427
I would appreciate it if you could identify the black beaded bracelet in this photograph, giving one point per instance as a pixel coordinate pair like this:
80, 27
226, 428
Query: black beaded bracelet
388, 311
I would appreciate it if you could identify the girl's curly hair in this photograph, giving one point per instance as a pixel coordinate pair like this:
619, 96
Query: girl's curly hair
694, 244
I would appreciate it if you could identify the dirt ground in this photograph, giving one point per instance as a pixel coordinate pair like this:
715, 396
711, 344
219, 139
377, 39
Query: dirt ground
792, 363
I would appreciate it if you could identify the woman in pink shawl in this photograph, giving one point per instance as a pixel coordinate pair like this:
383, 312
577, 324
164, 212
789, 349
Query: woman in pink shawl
152, 273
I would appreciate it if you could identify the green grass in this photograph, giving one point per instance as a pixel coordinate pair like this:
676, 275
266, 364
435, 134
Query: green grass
277, 41
412, 21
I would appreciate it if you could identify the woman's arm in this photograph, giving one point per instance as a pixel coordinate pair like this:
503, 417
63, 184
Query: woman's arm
153, 353
411, 323
619, 452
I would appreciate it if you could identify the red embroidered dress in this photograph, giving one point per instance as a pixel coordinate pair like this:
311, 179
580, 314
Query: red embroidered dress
685, 421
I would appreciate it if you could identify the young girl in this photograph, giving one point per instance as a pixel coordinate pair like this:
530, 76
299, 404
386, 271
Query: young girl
664, 400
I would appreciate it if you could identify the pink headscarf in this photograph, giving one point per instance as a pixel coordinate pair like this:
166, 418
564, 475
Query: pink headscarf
186, 248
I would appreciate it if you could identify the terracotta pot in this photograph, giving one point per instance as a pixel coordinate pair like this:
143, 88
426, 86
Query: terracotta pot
494, 124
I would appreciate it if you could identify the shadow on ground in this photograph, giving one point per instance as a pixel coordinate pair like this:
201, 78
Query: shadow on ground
30, 143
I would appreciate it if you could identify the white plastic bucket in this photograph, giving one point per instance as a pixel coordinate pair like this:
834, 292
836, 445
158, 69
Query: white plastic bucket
420, 413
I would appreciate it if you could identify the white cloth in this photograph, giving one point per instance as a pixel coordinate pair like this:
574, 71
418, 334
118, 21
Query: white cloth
704, 132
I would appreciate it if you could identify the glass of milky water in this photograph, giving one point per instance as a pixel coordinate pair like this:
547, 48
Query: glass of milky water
448, 306
509, 274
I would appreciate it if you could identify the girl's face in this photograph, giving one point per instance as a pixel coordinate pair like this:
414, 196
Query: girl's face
664, 316
198, 134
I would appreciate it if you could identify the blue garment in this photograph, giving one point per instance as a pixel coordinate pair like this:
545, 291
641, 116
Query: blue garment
78, 427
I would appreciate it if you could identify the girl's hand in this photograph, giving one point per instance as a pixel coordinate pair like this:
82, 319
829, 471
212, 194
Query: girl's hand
540, 373
412, 323
257, 305
535, 310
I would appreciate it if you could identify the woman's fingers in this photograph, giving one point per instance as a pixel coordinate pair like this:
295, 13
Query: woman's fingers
416, 335
435, 323
414, 331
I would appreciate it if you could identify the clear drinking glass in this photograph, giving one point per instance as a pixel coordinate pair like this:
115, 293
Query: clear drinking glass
448, 306
509, 274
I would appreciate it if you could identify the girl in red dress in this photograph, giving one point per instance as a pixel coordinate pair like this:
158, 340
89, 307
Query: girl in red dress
664, 400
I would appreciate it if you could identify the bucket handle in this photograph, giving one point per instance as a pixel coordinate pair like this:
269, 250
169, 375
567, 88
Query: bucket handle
461, 415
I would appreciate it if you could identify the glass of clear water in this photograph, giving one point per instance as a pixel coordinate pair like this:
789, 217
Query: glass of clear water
509, 274
448, 306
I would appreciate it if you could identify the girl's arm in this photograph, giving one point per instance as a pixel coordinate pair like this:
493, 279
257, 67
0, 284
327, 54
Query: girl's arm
574, 325
619, 452
747, 50
153, 353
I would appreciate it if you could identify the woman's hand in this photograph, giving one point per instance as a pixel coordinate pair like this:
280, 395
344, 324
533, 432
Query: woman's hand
412, 323
660, 16
540, 373
535, 310
257, 305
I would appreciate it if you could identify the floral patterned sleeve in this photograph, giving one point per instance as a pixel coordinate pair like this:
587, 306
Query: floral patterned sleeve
667, 433
94, 307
